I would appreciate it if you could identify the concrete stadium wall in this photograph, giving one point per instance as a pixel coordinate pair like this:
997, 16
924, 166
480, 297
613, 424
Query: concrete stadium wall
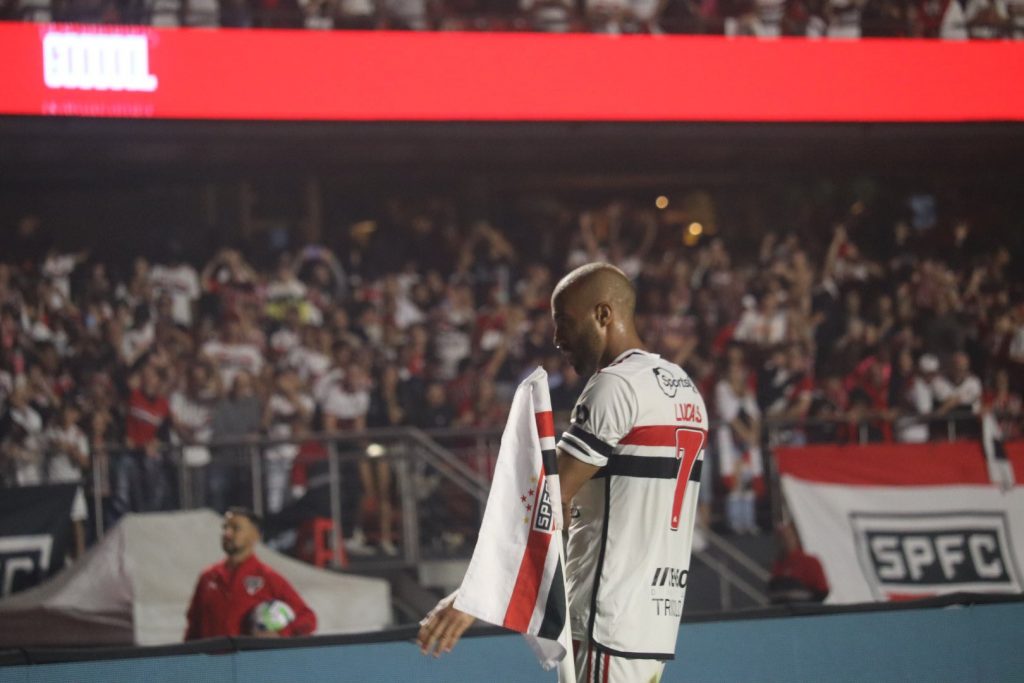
956, 644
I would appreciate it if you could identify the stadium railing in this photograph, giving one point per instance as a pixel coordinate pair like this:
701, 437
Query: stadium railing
441, 481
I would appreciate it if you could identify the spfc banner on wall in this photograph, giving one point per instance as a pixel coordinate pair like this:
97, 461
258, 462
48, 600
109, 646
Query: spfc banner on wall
906, 521
35, 530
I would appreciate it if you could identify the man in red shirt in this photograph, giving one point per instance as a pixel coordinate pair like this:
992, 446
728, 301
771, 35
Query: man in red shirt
227, 591
796, 576
141, 481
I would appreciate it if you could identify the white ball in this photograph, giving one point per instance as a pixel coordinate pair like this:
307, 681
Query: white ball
272, 615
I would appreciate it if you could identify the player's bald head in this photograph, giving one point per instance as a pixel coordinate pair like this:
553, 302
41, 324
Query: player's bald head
592, 308
596, 283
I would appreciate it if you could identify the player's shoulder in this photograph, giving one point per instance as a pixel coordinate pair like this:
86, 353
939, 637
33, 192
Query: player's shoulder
211, 571
646, 372
267, 571
636, 364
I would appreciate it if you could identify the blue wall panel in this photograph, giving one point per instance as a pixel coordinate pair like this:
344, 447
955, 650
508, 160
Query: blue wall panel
957, 644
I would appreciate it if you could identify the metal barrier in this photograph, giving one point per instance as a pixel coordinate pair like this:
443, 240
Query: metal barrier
441, 480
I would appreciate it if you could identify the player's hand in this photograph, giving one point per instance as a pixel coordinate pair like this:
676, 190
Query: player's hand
266, 633
442, 628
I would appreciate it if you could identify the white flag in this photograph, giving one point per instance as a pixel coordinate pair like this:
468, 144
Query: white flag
516, 577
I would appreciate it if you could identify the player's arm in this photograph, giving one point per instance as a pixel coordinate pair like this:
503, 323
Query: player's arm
442, 628
304, 622
573, 473
193, 630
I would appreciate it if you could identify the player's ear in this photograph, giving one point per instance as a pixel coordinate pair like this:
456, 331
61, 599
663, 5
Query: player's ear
603, 314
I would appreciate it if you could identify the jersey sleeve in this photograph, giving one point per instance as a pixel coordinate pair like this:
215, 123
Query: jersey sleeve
605, 412
305, 619
194, 629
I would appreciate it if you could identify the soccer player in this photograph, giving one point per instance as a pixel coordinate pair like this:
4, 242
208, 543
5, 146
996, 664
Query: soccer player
227, 592
629, 467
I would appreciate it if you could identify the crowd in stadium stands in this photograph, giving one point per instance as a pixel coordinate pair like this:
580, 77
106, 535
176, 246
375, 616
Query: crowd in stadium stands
427, 322
949, 19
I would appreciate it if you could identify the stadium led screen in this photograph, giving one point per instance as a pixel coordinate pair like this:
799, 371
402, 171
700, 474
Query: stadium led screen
140, 72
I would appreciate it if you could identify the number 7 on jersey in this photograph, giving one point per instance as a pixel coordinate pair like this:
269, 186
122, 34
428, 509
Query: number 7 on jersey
689, 443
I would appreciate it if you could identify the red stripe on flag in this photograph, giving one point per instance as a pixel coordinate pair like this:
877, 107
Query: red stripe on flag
545, 424
531, 569
651, 435
929, 464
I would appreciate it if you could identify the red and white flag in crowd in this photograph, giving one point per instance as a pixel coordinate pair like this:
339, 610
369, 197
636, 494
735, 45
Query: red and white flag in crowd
516, 577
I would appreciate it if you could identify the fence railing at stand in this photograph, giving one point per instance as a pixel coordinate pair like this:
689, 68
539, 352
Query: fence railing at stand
440, 480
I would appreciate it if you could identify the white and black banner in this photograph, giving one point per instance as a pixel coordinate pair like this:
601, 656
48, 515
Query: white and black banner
906, 521
35, 532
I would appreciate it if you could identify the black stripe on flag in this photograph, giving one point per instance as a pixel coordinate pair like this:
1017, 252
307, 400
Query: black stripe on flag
554, 610
550, 461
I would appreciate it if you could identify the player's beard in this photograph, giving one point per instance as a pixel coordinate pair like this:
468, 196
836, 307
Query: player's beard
584, 355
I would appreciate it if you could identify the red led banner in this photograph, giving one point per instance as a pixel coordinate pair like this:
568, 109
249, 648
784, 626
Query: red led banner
362, 76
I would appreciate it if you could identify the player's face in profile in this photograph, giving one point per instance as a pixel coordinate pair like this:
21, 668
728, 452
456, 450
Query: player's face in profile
237, 534
576, 334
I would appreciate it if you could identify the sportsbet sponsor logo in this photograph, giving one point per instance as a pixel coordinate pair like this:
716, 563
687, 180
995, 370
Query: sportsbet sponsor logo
668, 383
908, 555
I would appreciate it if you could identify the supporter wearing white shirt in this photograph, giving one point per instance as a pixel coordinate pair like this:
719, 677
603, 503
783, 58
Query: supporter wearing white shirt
311, 357
28, 470
739, 452
287, 337
345, 407
230, 355
57, 268
333, 370
346, 403
286, 405
843, 18
768, 15
192, 414
181, 283
764, 325
960, 391
917, 398
67, 455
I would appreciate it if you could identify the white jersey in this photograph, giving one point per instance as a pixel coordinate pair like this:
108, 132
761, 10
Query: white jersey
644, 423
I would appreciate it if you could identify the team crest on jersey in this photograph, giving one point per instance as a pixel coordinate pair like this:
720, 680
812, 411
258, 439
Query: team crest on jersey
669, 383
581, 414
253, 584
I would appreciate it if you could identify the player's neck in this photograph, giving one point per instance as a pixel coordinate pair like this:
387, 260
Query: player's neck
237, 559
618, 347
